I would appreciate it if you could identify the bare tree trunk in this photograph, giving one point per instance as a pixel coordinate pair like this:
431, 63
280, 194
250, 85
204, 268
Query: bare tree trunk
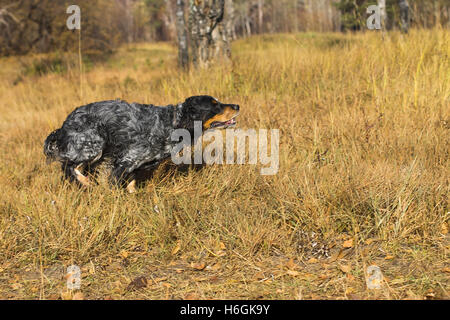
230, 20
169, 20
448, 17
130, 20
222, 34
204, 17
437, 13
296, 6
337, 20
248, 27
183, 54
330, 16
309, 11
260, 15
404, 15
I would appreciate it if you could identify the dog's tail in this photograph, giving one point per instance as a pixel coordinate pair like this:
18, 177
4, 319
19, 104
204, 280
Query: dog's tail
51, 149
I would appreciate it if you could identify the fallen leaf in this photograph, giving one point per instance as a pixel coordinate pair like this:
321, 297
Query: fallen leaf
370, 241
123, 254
308, 276
222, 246
312, 260
412, 296
299, 295
137, 283
66, 295
200, 279
430, 294
293, 273
365, 251
349, 290
348, 243
337, 256
176, 249
78, 296
156, 280
350, 277
198, 266
214, 267
259, 275
444, 228
291, 264
221, 253
92, 269
345, 268
446, 269
323, 276
398, 281
16, 286
389, 257
191, 296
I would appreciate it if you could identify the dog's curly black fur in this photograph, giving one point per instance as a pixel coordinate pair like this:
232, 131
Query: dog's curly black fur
134, 136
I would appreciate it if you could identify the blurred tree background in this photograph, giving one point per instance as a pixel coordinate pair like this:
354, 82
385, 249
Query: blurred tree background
40, 25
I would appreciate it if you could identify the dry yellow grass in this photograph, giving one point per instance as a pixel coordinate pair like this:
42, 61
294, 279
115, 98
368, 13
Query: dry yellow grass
364, 165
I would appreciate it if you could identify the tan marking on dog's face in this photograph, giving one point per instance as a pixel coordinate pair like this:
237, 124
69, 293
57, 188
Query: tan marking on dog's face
131, 187
80, 177
227, 114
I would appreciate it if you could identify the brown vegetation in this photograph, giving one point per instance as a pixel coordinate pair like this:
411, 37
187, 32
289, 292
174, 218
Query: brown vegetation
363, 179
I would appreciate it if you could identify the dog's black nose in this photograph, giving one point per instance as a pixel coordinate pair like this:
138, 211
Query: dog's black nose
235, 107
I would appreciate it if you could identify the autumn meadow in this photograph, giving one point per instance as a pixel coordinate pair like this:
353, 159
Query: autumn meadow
363, 175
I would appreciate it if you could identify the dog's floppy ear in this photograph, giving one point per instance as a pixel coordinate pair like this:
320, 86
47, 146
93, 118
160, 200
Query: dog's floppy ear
185, 114
189, 103
189, 100
188, 107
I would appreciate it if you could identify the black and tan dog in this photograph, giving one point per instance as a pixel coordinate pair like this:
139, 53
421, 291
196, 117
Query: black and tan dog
133, 136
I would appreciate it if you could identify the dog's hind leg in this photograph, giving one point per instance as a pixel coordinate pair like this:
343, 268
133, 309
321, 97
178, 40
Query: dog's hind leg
126, 167
122, 177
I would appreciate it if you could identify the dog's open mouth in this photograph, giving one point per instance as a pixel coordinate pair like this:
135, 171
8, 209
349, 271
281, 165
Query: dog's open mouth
226, 124
223, 120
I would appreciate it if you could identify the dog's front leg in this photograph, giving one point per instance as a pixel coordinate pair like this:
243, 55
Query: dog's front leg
131, 187
74, 173
80, 176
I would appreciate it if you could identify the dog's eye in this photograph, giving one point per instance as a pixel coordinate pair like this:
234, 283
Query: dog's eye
214, 102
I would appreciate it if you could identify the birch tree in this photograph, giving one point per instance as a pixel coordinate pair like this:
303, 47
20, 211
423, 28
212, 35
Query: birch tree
183, 54
404, 15
204, 18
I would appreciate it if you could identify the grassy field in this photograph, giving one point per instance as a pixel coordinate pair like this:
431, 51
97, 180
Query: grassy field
363, 178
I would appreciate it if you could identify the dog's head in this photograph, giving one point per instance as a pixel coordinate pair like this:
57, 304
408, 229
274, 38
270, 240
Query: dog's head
51, 149
212, 113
